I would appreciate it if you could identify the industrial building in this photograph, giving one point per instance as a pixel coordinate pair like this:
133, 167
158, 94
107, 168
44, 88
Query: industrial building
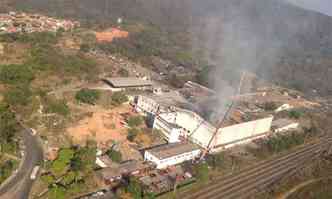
189, 125
282, 125
123, 83
163, 102
172, 154
179, 123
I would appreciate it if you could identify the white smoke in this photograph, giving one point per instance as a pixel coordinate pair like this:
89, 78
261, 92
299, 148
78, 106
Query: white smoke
321, 6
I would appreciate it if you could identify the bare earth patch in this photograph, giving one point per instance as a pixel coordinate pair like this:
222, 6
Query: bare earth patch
103, 126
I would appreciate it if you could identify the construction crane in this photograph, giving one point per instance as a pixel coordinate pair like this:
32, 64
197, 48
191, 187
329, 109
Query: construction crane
219, 125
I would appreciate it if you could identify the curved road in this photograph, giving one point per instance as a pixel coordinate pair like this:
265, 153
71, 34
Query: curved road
19, 184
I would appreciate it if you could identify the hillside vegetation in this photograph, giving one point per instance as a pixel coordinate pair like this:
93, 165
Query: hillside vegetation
279, 41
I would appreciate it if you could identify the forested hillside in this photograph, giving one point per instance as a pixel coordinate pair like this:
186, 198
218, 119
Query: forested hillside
277, 40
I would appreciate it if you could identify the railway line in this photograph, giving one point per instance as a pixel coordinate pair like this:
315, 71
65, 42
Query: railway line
253, 179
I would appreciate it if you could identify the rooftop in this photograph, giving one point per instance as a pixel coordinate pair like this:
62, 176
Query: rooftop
169, 98
119, 82
123, 169
281, 123
170, 150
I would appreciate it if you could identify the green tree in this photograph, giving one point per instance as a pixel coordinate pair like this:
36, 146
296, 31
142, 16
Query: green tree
203, 77
202, 172
62, 163
57, 192
134, 121
8, 124
6, 169
296, 114
149, 195
85, 158
18, 95
132, 133
16, 74
270, 106
216, 161
56, 106
76, 163
114, 155
119, 98
85, 47
135, 188
87, 96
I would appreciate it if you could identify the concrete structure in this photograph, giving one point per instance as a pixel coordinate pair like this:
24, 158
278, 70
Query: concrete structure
123, 83
104, 161
283, 125
283, 107
172, 154
171, 131
199, 131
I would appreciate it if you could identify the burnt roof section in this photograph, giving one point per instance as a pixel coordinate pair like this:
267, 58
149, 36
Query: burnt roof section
173, 149
121, 82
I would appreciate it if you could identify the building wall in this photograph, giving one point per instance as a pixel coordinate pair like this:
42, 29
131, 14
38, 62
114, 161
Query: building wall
241, 131
171, 133
164, 163
146, 105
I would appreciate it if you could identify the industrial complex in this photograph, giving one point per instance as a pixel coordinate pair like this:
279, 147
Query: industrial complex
189, 135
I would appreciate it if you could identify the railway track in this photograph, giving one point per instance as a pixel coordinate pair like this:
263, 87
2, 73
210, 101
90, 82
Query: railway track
253, 179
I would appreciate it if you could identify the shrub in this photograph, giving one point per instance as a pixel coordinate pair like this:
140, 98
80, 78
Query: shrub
57, 192
135, 121
216, 160
16, 74
270, 106
202, 172
296, 114
6, 169
18, 95
85, 48
281, 143
114, 155
87, 96
8, 124
119, 98
45, 57
57, 106
135, 188
60, 165
132, 133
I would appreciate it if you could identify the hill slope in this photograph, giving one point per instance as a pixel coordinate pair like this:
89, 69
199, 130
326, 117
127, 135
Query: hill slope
275, 39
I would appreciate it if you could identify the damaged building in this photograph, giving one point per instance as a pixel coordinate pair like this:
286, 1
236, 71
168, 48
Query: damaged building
185, 124
175, 117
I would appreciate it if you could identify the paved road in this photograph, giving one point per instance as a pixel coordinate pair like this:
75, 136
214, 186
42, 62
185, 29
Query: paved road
19, 185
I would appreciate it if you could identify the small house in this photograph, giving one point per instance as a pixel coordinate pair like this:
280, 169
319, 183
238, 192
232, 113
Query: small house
172, 154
